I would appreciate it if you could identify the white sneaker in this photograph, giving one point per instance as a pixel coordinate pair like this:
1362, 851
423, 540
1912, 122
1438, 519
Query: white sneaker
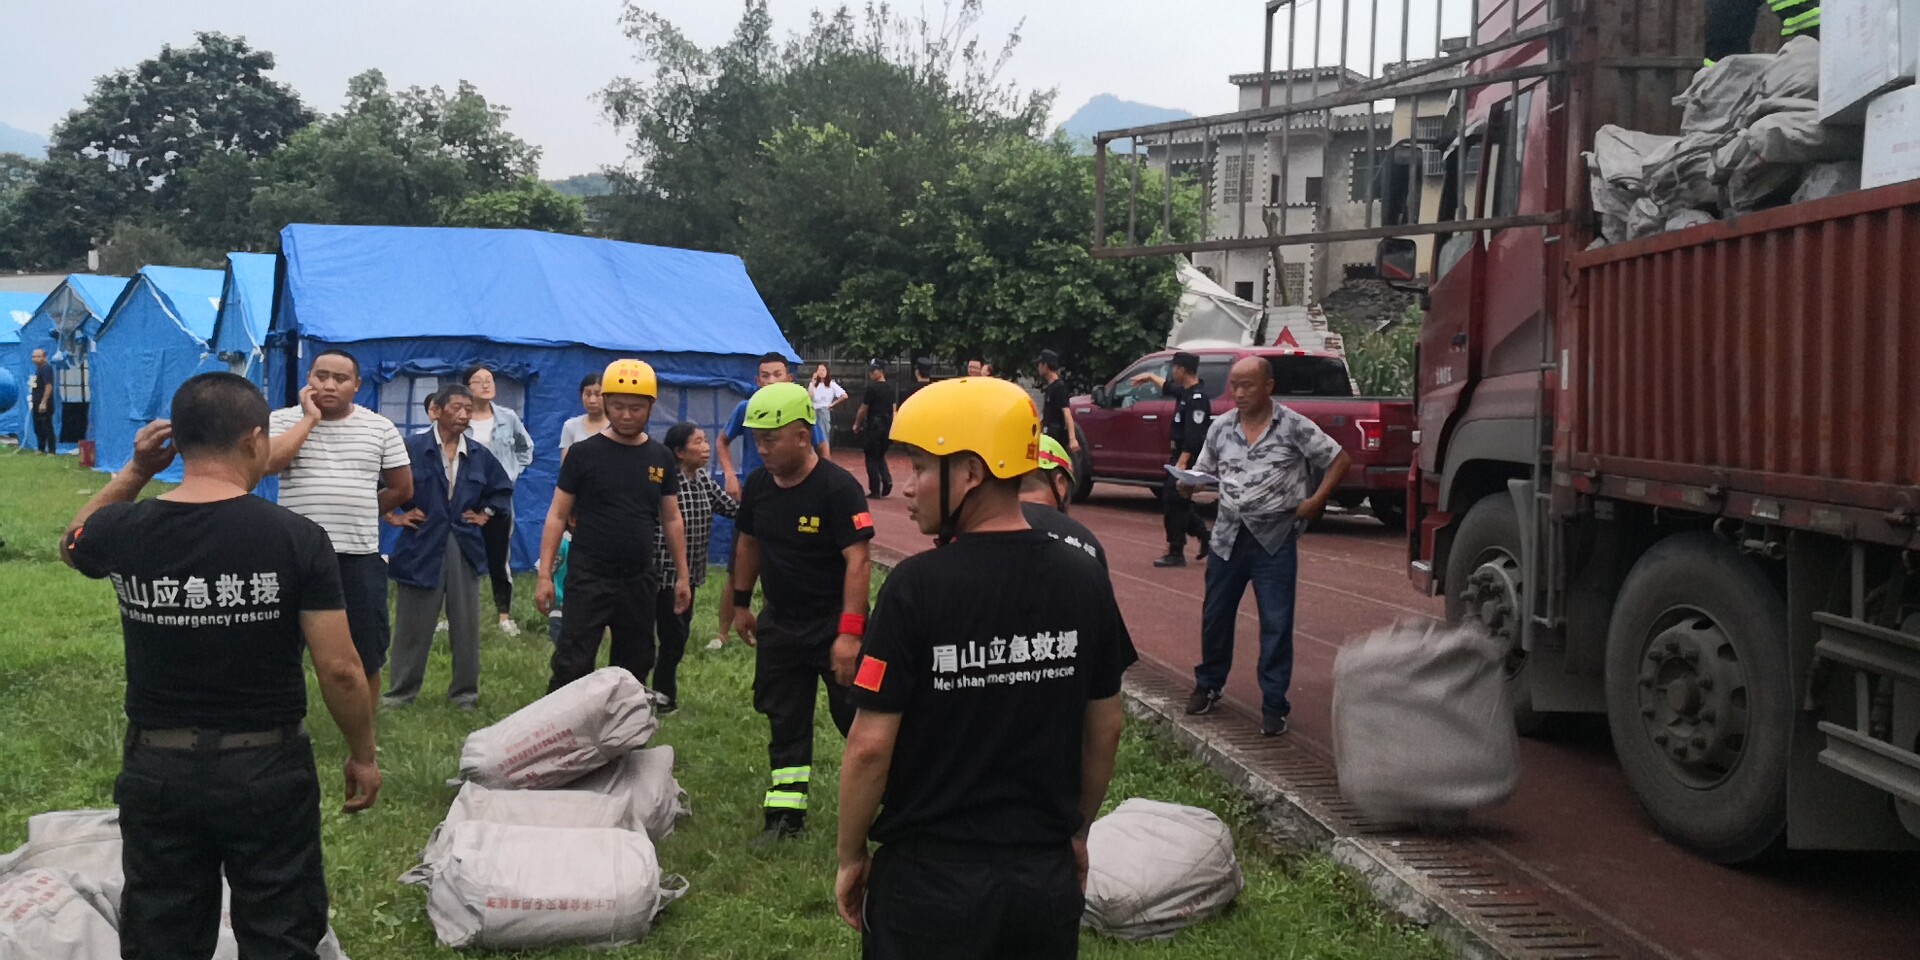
716, 644
442, 628
509, 628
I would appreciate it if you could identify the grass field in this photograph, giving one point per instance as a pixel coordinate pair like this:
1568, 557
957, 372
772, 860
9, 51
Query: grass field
61, 685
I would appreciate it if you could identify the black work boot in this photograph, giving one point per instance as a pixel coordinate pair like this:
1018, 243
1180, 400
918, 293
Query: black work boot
781, 825
1176, 558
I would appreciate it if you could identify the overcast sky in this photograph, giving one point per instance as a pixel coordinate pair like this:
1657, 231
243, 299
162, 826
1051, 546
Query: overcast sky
545, 58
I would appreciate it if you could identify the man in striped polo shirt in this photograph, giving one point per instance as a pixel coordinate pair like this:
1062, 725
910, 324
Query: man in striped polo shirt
342, 466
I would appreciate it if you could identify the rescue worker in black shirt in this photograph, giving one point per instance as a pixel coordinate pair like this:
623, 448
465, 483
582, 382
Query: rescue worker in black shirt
988, 696
1192, 414
1044, 494
803, 528
219, 591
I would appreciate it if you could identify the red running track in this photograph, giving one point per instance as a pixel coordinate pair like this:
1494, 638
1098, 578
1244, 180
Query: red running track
1572, 827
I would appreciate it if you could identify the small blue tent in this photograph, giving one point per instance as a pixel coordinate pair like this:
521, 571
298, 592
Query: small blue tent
246, 308
15, 310
416, 305
152, 341
64, 326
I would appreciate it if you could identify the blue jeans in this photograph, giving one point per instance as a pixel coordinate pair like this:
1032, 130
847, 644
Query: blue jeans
1273, 578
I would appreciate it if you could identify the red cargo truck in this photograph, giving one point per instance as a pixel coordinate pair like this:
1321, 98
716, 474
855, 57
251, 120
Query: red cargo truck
1679, 475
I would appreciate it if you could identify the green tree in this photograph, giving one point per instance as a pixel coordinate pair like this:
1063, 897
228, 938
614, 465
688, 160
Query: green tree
395, 158
132, 246
531, 205
16, 174
122, 155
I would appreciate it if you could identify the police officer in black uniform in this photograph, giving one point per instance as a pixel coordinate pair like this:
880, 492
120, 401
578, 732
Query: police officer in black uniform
1192, 415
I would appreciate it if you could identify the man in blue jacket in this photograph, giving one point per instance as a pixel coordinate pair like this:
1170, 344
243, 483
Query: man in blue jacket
458, 487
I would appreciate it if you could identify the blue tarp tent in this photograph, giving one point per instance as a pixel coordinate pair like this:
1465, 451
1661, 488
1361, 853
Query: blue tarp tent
64, 325
415, 305
152, 341
246, 308
15, 310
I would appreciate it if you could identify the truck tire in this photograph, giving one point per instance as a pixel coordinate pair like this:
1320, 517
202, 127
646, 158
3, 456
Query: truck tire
1082, 469
1699, 699
1390, 509
1483, 581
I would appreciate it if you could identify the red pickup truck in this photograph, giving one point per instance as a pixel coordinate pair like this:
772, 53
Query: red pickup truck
1126, 428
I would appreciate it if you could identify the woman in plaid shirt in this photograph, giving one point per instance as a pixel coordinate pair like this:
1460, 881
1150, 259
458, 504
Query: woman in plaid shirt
700, 499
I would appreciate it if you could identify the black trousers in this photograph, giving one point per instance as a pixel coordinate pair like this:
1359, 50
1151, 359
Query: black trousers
672, 630
949, 902
186, 816
790, 663
44, 438
620, 604
498, 536
874, 445
1181, 520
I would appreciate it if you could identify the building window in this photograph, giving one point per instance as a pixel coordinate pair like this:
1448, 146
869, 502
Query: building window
1313, 191
1429, 130
1273, 191
1293, 279
1434, 162
1364, 164
1243, 289
1237, 179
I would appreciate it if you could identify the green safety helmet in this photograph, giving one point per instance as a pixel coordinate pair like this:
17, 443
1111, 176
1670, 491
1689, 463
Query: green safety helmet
778, 404
1053, 456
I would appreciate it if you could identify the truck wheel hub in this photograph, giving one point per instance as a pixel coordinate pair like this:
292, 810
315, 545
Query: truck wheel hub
1492, 596
1693, 700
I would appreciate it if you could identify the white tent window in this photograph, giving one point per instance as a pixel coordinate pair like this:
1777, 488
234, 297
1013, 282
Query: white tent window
403, 400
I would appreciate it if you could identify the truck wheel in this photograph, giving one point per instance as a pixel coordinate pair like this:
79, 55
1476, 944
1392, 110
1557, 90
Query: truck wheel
1082, 470
1699, 699
1390, 509
1484, 583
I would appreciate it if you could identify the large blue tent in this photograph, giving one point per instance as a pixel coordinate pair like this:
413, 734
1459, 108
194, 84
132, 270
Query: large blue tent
154, 339
64, 326
246, 309
415, 305
15, 310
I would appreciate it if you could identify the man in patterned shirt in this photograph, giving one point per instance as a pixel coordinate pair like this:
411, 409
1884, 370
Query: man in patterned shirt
700, 499
1267, 458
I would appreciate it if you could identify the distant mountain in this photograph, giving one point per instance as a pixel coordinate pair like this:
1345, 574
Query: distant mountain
16, 140
583, 185
1108, 112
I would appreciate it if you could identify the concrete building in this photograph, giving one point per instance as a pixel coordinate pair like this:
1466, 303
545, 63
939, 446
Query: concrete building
1424, 125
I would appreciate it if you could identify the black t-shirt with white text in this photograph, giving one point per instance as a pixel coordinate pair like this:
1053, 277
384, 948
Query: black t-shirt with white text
210, 602
801, 531
616, 490
1064, 528
1053, 411
990, 649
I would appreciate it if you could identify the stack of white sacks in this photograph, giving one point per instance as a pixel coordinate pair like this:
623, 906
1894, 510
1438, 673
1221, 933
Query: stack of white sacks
60, 892
551, 838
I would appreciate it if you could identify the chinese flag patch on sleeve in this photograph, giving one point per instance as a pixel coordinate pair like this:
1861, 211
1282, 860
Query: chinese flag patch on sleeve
871, 672
863, 521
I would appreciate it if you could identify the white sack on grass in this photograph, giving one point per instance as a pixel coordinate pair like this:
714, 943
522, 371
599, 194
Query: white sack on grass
42, 917
562, 736
1422, 728
510, 887
526, 808
83, 847
227, 946
642, 782
1155, 868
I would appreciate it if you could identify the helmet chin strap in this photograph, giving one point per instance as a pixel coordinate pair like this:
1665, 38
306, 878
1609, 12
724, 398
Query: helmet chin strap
949, 518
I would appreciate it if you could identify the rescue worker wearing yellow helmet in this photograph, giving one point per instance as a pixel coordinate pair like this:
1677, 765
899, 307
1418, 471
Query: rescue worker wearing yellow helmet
618, 486
1044, 494
988, 698
803, 529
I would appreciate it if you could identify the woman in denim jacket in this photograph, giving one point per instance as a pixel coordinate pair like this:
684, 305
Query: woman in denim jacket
506, 438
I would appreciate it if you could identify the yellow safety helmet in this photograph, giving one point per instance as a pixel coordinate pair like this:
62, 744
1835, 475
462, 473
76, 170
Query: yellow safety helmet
631, 377
984, 416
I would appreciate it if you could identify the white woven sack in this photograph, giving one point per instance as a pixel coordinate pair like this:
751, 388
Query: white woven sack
1156, 868
562, 736
1422, 728
42, 917
508, 887
643, 783
526, 808
80, 846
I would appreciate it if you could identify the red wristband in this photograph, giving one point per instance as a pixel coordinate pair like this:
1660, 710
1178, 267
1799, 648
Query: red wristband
853, 624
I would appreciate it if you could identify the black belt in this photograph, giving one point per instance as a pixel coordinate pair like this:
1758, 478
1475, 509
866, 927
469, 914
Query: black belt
195, 738
928, 848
